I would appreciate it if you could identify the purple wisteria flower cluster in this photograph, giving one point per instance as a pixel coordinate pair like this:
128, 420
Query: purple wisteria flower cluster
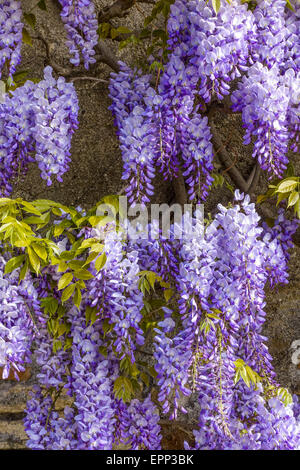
20, 320
164, 126
224, 297
200, 342
267, 95
11, 27
80, 20
139, 425
137, 132
156, 127
86, 371
37, 121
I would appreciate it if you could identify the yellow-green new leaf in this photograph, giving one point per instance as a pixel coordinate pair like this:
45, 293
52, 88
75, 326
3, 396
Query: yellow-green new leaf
68, 292
65, 280
287, 185
293, 198
100, 261
40, 250
34, 260
13, 263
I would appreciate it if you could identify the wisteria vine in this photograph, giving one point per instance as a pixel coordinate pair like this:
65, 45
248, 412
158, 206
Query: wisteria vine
195, 304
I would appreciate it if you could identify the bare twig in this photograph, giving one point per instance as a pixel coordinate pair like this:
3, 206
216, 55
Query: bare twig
56, 67
101, 80
225, 159
253, 179
179, 189
107, 56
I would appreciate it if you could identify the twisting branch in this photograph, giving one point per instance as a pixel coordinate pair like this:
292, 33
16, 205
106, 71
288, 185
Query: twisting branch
180, 190
253, 179
107, 56
225, 159
247, 186
56, 67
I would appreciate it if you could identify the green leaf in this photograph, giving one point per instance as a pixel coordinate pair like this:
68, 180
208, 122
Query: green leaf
76, 264
123, 389
297, 208
13, 263
68, 292
115, 32
244, 375
30, 19
90, 258
57, 345
20, 76
42, 5
168, 294
62, 329
34, 260
100, 261
216, 5
287, 185
26, 37
77, 297
65, 280
104, 30
91, 315
50, 305
40, 250
23, 271
281, 197
251, 374
83, 274
293, 198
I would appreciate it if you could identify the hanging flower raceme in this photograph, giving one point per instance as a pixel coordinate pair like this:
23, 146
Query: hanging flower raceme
269, 47
159, 129
292, 40
292, 80
91, 384
139, 425
11, 28
136, 130
114, 292
263, 98
46, 429
80, 20
230, 334
16, 140
56, 118
36, 124
20, 320
217, 44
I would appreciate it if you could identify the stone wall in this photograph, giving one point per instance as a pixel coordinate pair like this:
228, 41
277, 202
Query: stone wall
95, 171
